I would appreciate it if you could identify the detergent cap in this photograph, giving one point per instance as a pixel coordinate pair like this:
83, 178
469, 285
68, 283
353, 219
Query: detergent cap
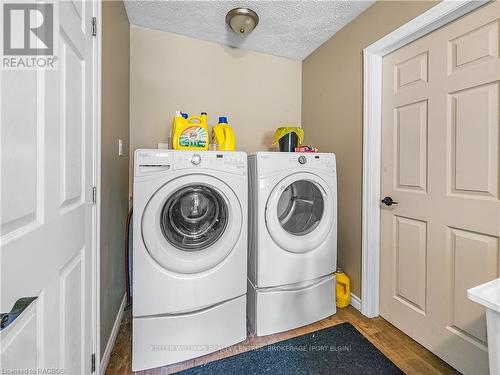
222, 120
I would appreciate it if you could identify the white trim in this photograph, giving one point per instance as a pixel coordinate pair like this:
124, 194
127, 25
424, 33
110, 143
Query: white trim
437, 16
96, 293
355, 302
372, 105
112, 337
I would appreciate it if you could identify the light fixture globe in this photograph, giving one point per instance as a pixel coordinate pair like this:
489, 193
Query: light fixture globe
242, 20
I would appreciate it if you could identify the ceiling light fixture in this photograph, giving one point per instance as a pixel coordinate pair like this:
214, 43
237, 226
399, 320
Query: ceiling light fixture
242, 20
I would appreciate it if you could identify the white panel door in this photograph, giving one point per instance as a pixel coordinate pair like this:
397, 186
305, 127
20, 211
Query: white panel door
440, 162
47, 163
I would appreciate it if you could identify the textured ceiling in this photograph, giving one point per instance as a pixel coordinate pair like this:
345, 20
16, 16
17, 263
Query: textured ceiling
290, 29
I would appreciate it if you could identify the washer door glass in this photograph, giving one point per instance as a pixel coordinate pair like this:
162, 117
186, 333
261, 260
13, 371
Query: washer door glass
194, 218
189, 226
300, 207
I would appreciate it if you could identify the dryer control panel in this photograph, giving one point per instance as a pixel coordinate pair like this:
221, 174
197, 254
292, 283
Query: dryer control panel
274, 162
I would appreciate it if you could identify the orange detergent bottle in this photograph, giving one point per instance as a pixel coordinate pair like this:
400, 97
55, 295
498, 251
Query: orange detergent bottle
343, 289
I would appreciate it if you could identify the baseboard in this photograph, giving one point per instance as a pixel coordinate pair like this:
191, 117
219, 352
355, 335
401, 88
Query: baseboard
356, 302
112, 337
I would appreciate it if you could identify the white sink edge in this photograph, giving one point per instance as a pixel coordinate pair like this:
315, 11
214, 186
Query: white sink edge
487, 294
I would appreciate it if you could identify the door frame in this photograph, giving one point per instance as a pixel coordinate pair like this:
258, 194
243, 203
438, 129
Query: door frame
96, 214
434, 18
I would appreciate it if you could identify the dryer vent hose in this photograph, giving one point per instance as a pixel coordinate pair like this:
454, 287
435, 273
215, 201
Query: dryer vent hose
127, 258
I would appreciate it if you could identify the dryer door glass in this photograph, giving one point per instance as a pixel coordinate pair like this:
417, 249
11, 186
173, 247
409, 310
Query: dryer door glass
300, 207
194, 217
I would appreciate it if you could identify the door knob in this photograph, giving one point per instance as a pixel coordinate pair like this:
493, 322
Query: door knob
19, 306
388, 201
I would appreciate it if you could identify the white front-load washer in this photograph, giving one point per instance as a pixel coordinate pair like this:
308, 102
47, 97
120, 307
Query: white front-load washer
292, 239
189, 254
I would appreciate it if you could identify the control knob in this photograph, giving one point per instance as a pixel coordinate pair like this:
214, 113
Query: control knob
196, 159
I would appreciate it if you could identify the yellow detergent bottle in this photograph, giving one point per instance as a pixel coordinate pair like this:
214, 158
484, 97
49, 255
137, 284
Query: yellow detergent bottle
223, 135
343, 290
190, 133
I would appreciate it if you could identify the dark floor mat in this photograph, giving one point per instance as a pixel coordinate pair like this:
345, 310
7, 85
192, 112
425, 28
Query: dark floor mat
340, 349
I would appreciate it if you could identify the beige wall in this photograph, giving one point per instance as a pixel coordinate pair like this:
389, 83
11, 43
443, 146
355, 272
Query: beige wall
169, 72
114, 169
332, 86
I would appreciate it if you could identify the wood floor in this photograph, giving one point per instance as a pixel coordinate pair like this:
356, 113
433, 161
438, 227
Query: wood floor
408, 355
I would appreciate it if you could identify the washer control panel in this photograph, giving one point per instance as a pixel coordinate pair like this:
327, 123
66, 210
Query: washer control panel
154, 161
150, 162
229, 161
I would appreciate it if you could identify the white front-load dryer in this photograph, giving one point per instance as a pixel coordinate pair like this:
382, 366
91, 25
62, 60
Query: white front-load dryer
292, 239
189, 254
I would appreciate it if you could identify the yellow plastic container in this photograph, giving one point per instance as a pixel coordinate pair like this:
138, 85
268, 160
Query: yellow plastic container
223, 135
190, 133
343, 289
284, 130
